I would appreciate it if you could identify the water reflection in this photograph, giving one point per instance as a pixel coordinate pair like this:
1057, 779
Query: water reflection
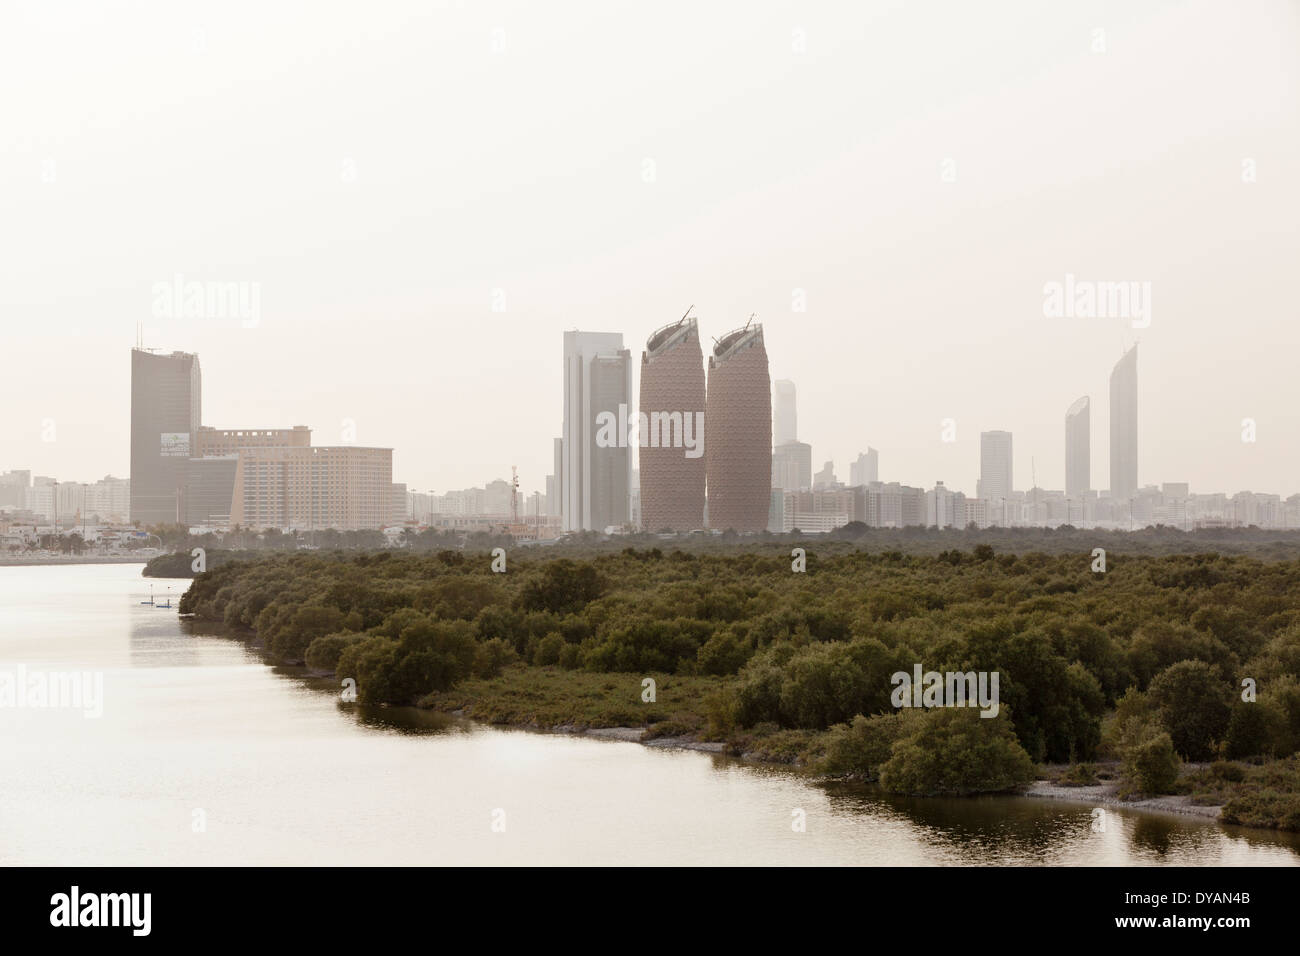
196, 717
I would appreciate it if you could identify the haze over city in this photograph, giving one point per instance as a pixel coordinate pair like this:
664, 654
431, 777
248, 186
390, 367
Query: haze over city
727, 433
750, 164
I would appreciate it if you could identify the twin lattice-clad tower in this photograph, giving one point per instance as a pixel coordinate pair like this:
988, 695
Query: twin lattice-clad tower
672, 382
735, 468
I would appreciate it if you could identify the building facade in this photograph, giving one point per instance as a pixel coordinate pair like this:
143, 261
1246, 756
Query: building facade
166, 392
1078, 461
739, 430
865, 469
346, 487
1124, 428
672, 400
995, 466
792, 466
785, 417
594, 478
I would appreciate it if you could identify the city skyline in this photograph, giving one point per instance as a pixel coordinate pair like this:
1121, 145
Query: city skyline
902, 254
790, 463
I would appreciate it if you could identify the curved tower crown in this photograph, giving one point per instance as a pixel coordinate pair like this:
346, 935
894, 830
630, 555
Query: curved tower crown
672, 401
739, 416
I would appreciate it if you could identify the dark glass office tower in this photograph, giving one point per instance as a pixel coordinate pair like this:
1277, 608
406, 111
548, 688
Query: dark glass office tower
165, 414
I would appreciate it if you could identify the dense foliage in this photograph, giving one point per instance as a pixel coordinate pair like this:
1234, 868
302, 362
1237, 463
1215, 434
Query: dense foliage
1153, 652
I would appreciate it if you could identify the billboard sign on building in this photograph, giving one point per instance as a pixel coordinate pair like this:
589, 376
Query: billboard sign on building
175, 445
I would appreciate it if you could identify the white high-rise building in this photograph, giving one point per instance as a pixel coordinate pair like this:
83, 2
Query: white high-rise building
595, 482
1077, 444
995, 466
865, 469
792, 466
1123, 428
785, 419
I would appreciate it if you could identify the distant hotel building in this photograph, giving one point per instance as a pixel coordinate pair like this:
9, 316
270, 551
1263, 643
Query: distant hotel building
739, 432
312, 488
166, 409
214, 472
216, 442
672, 384
1123, 428
1078, 463
183, 471
595, 482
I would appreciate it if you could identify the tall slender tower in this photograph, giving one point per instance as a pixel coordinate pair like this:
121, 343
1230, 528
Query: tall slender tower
672, 406
1077, 458
1124, 427
166, 408
995, 466
739, 420
595, 478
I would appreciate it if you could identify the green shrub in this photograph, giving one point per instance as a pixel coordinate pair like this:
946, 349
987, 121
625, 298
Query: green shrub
490, 657
861, 747
1151, 765
570, 657
323, 653
548, 649
1193, 703
956, 751
1079, 775
1255, 728
723, 653
1226, 770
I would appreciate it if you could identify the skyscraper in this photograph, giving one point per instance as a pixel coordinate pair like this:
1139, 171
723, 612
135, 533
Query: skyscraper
553, 480
595, 477
166, 400
673, 403
1124, 427
739, 420
792, 466
785, 418
995, 465
865, 469
1077, 457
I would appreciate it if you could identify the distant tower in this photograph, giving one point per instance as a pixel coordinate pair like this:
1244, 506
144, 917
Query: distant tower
166, 408
739, 432
866, 469
1124, 427
595, 481
1077, 460
673, 401
995, 465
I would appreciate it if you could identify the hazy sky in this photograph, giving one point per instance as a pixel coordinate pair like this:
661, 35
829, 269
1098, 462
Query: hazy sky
388, 172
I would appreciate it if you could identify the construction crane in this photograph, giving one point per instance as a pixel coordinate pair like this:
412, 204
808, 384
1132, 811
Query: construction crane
514, 495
